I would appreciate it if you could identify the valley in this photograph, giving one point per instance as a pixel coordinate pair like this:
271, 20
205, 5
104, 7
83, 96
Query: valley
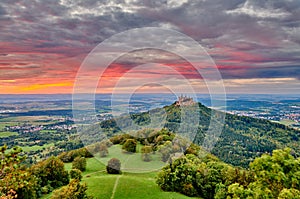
44, 128
43, 124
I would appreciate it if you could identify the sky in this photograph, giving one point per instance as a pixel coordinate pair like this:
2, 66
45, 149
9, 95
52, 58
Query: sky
254, 44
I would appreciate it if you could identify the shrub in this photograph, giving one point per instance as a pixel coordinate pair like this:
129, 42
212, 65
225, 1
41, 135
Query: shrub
52, 172
46, 189
189, 190
129, 146
116, 139
120, 139
71, 155
146, 150
74, 190
64, 156
103, 150
75, 174
108, 143
192, 149
165, 150
79, 163
113, 166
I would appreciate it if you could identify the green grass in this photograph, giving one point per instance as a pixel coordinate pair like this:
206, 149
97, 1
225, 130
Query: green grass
136, 186
36, 147
35, 120
287, 122
93, 166
132, 162
129, 186
100, 186
5, 124
7, 134
48, 131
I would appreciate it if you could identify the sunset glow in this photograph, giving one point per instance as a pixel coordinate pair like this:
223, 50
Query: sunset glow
255, 45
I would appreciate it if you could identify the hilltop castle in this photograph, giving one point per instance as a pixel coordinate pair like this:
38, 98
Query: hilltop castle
184, 101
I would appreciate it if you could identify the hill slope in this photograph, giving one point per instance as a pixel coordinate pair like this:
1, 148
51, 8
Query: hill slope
242, 139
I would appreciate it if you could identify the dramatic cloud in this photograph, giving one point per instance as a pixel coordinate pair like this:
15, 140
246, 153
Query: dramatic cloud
43, 42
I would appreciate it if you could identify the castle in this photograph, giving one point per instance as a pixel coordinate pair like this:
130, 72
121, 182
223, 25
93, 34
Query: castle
184, 101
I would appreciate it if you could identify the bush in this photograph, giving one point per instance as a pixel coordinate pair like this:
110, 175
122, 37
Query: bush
79, 163
108, 143
71, 155
113, 166
64, 156
19, 184
146, 150
120, 139
52, 172
76, 174
103, 150
46, 189
74, 190
189, 190
192, 177
165, 150
129, 146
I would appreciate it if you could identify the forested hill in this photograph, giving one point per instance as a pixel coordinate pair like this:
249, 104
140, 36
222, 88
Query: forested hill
242, 139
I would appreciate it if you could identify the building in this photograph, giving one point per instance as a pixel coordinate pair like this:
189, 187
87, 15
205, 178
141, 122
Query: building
184, 101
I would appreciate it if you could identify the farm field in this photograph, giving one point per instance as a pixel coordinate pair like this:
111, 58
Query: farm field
7, 134
34, 120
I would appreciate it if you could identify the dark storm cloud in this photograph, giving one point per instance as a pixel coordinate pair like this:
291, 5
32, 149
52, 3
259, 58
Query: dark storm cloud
2, 11
237, 34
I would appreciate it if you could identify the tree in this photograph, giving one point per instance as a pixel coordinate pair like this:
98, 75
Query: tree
51, 172
71, 155
76, 174
289, 193
113, 166
165, 150
15, 182
129, 146
276, 176
74, 190
146, 150
103, 150
79, 163
193, 176
180, 175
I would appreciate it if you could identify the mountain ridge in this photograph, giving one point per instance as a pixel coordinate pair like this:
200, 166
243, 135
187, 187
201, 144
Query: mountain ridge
242, 139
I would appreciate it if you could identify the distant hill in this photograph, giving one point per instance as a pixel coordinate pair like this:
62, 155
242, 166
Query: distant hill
242, 139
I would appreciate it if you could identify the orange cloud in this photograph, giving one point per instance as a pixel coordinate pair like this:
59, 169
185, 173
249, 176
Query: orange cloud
43, 86
61, 87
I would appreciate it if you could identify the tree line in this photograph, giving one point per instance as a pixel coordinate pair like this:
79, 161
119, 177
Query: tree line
18, 181
269, 176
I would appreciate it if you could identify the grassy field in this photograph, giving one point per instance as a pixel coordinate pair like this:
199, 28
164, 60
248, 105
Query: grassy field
5, 124
127, 186
7, 134
124, 186
132, 162
35, 120
36, 147
3, 132
48, 131
287, 122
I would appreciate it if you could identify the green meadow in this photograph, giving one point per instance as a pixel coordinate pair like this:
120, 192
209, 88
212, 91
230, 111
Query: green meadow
132, 162
36, 147
136, 181
7, 134
34, 120
123, 186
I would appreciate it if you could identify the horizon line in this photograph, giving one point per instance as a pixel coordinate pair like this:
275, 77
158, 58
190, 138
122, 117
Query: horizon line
149, 93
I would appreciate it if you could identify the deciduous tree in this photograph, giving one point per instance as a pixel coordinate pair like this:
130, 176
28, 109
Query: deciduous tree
79, 163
